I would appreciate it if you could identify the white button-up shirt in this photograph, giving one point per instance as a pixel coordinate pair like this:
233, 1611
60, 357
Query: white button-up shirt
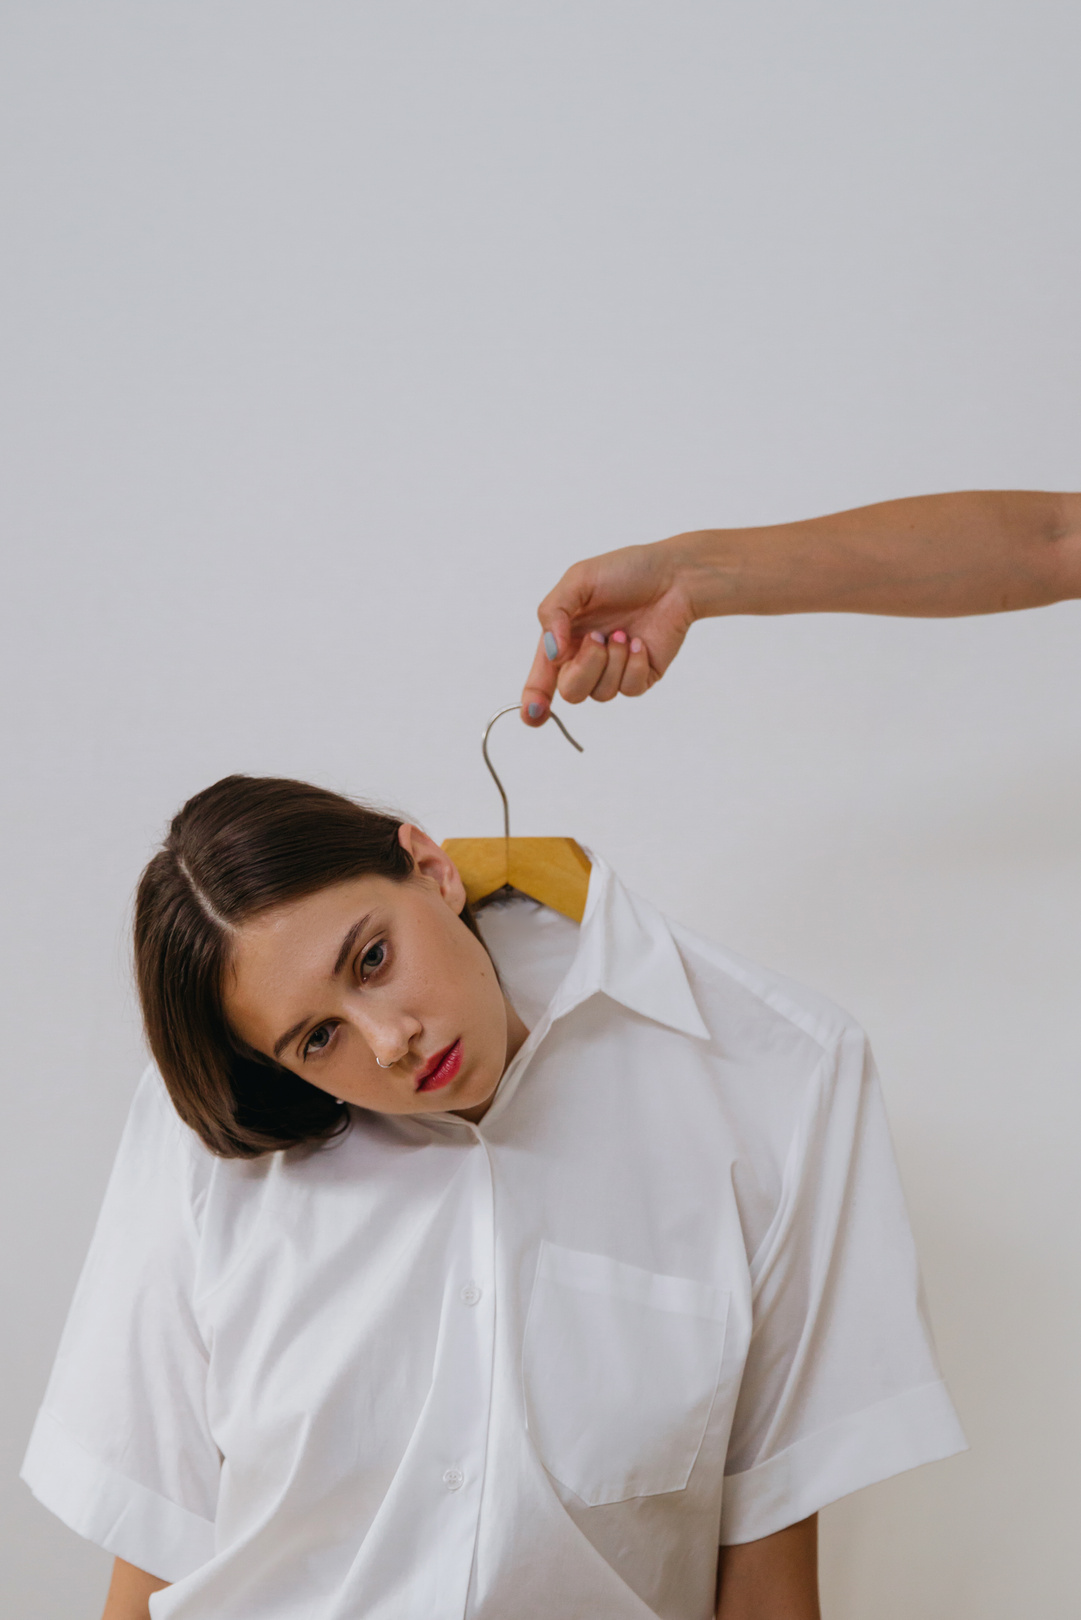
663, 1296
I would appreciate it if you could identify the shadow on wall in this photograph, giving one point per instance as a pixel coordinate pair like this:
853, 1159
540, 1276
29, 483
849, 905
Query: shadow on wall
955, 935
992, 1526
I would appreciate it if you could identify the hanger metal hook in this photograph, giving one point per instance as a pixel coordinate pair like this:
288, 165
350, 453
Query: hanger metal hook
513, 708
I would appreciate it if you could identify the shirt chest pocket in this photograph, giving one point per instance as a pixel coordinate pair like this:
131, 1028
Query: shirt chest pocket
620, 1368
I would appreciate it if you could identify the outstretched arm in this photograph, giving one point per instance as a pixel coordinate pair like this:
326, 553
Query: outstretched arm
772, 1579
615, 622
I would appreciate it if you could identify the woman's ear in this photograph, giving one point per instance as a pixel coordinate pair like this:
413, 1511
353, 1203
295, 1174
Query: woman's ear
433, 863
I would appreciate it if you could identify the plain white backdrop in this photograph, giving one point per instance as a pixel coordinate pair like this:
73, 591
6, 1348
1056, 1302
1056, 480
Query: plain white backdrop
332, 334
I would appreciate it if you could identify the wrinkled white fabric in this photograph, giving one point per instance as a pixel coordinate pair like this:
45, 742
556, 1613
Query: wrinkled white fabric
665, 1294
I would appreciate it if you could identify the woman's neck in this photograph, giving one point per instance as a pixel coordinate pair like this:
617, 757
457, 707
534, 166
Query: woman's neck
517, 1035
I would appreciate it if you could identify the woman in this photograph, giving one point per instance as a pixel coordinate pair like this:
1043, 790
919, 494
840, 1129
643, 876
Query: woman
428, 1288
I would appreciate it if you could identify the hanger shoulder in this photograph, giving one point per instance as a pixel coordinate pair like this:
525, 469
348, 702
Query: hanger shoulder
554, 871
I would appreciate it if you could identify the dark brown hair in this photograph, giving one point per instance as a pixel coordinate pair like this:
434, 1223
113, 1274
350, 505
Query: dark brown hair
234, 850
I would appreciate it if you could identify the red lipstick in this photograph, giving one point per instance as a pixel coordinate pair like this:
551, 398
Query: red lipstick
442, 1069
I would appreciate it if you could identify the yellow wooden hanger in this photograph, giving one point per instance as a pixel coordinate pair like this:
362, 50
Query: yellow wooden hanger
554, 871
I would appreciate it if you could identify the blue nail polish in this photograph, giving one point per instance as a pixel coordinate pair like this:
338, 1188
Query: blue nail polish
551, 645
534, 711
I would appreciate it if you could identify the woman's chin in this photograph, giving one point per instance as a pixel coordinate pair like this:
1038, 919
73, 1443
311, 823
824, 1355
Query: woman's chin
472, 1095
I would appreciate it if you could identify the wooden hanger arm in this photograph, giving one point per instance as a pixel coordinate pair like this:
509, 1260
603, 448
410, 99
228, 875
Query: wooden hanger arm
554, 871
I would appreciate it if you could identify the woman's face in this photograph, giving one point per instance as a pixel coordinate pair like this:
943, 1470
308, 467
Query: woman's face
376, 991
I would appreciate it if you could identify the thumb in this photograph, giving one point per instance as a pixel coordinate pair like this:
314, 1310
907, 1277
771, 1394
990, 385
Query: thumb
568, 598
556, 614
557, 635
540, 686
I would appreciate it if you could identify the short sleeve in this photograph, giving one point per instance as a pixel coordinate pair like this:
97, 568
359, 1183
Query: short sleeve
121, 1450
841, 1387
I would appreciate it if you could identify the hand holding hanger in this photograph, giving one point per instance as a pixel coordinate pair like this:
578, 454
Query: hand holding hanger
612, 624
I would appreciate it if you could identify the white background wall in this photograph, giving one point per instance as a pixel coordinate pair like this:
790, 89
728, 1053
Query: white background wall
333, 333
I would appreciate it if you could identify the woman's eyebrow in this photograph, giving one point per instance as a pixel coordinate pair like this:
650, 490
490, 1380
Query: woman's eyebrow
346, 946
348, 942
283, 1040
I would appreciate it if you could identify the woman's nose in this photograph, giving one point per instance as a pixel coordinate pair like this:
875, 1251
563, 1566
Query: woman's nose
391, 1041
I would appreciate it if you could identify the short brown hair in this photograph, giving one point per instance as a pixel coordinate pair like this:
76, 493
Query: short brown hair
234, 850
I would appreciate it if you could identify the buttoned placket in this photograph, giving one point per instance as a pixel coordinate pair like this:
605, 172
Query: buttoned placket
468, 1357
459, 1404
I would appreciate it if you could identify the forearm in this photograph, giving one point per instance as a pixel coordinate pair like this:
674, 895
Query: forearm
130, 1592
772, 1579
928, 556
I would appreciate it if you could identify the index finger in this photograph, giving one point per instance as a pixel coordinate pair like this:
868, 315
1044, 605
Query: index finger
539, 689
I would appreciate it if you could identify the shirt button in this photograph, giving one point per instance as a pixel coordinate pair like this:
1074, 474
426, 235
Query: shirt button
454, 1479
470, 1294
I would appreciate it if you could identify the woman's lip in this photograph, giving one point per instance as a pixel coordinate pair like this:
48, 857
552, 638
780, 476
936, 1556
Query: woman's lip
443, 1070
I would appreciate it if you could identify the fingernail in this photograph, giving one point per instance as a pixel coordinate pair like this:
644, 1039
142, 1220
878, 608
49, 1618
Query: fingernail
551, 645
620, 636
636, 644
595, 635
535, 710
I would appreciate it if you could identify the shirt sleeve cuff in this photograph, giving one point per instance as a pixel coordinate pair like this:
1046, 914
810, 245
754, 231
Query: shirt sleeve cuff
131, 1522
917, 1427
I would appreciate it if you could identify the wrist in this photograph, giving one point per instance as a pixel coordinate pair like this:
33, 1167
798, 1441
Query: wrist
709, 570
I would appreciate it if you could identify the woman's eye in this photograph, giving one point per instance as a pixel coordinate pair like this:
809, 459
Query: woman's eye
318, 1040
373, 959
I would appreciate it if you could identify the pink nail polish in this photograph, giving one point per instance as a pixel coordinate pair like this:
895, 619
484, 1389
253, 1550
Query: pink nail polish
596, 636
636, 644
620, 636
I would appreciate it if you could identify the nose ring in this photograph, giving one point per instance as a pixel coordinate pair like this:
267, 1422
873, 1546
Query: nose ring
386, 1065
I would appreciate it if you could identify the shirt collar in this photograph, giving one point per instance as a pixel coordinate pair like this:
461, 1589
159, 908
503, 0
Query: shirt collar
626, 950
